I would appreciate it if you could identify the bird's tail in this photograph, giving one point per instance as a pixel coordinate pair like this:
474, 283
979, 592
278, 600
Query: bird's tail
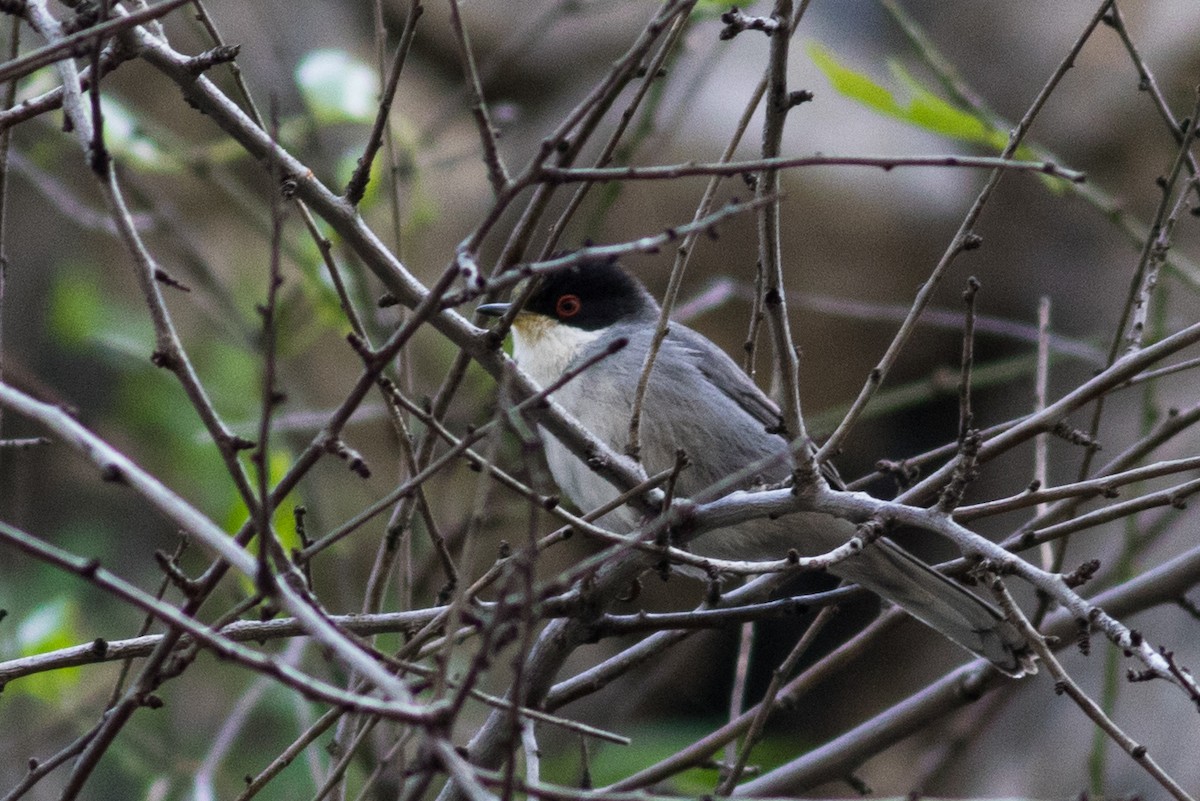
890, 571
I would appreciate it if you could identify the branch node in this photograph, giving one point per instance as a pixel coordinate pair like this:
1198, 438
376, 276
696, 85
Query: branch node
352, 458
112, 473
1082, 574
164, 359
799, 96
1075, 436
164, 277
197, 65
903, 472
170, 566
737, 21
1083, 638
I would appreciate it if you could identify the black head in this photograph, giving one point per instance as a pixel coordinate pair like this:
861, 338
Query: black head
591, 297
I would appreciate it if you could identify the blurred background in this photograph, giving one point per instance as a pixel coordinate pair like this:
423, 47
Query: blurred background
857, 242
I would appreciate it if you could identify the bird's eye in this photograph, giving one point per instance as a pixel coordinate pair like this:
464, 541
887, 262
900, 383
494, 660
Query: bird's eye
568, 306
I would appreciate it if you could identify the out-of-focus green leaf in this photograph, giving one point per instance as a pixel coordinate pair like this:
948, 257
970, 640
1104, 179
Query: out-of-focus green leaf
609, 762
76, 308
924, 109
423, 211
150, 403
38, 83
338, 87
284, 519
854, 85
50, 626
126, 139
927, 110
231, 375
80, 315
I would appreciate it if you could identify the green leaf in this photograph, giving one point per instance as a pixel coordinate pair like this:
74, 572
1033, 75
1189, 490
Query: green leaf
927, 110
124, 136
924, 109
49, 627
338, 87
854, 85
81, 317
284, 519
76, 308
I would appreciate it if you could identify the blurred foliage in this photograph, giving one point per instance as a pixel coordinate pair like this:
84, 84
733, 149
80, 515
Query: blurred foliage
82, 318
337, 87
924, 109
52, 625
608, 763
126, 140
150, 404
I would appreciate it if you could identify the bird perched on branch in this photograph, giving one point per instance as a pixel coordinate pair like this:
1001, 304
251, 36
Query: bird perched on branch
698, 400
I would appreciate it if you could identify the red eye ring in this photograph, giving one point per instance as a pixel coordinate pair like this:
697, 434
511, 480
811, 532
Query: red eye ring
568, 306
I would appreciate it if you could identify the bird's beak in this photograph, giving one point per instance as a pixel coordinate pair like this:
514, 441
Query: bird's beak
494, 309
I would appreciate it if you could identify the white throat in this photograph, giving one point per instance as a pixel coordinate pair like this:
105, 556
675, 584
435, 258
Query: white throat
544, 347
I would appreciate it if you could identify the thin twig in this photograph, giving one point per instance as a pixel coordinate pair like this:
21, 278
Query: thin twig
270, 396
697, 753
966, 417
1147, 82
398, 697
652, 74
1041, 443
308, 686
497, 173
357, 185
1105, 485
767, 704
6, 102
1063, 683
607, 253
770, 257
1110, 206
735, 168
62, 46
737, 702
845, 753
1158, 253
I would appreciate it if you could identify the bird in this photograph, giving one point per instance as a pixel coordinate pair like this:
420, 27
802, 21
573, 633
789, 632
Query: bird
698, 400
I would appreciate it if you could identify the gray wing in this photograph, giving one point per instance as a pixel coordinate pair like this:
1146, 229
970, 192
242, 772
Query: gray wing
724, 374
699, 401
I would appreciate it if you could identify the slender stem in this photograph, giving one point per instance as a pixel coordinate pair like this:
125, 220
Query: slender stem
733, 168
357, 185
64, 44
767, 704
1063, 683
